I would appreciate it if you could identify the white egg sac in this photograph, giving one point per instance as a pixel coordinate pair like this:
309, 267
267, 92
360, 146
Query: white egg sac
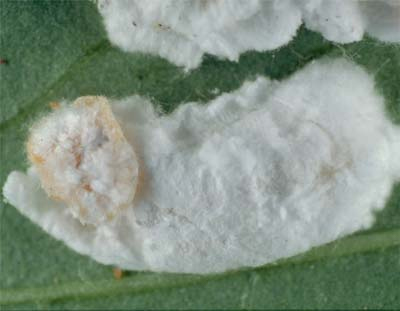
182, 31
265, 172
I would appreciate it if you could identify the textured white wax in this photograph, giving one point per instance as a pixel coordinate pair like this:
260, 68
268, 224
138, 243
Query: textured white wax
265, 172
83, 159
182, 31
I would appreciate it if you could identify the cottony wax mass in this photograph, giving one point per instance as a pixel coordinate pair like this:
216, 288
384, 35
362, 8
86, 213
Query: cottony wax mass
262, 173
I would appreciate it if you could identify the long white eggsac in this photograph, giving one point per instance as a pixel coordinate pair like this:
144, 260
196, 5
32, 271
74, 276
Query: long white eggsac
265, 172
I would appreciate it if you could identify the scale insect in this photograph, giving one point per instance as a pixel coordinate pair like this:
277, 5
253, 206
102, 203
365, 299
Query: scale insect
84, 160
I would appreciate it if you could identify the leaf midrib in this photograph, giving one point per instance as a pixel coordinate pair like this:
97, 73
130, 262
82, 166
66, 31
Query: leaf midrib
145, 282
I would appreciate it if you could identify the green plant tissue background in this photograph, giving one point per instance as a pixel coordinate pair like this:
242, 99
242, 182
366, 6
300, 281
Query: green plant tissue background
59, 50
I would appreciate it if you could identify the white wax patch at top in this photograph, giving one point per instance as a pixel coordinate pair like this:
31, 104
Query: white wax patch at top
265, 172
182, 31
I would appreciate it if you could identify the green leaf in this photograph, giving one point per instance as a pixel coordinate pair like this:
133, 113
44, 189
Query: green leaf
56, 50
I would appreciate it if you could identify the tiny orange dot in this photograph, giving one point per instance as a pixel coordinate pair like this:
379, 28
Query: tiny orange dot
78, 159
117, 272
37, 159
87, 187
54, 105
